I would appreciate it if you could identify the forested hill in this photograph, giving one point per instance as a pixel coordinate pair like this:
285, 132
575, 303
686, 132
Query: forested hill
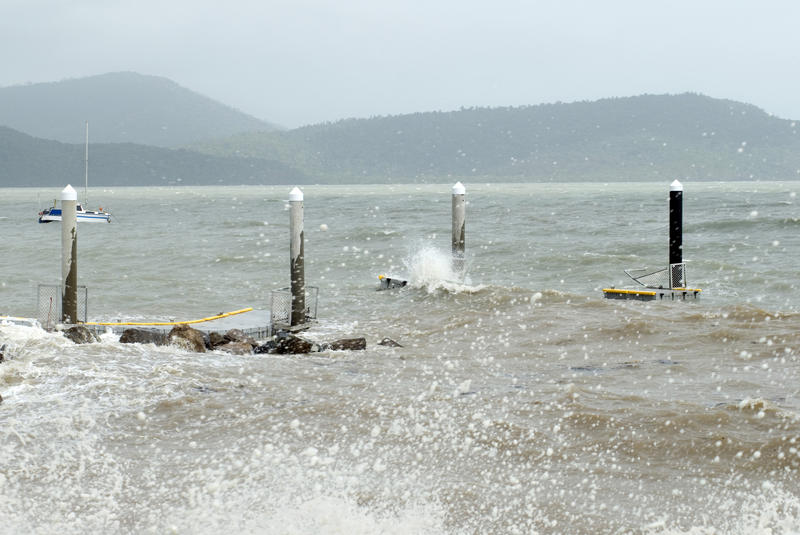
29, 161
649, 137
636, 138
122, 107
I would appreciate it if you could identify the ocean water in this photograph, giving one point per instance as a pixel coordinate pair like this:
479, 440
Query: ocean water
520, 402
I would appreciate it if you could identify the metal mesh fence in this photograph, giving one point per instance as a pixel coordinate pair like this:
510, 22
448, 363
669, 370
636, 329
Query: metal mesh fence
672, 277
649, 278
677, 275
280, 307
48, 304
459, 266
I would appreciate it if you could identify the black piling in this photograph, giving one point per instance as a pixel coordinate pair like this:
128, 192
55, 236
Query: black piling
675, 223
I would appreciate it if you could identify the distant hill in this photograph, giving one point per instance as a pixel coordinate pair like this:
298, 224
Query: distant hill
636, 138
29, 161
648, 137
122, 107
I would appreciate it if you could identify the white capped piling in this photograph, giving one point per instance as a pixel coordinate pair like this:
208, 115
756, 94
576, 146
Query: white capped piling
86, 171
298, 277
656, 286
675, 223
459, 221
69, 255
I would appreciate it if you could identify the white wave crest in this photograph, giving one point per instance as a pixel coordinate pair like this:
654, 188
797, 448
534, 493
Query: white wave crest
431, 269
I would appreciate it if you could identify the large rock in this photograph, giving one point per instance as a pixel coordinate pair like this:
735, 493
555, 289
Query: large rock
143, 336
81, 335
267, 347
388, 342
285, 343
2, 353
237, 335
349, 344
187, 338
215, 339
288, 343
236, 348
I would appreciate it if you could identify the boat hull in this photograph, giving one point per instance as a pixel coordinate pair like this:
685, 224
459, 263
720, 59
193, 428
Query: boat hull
83, 216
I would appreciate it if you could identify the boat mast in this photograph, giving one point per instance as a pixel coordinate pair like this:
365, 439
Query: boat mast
86, 161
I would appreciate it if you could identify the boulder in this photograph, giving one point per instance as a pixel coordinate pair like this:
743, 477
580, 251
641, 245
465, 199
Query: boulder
289, 344
187, 338
2, 353
351, 344
237, 335
285, 343
215, 340
388, 342
236, 348
267, 347
143, 336
81, 335
1, 399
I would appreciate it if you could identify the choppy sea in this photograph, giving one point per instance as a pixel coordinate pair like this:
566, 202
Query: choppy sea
520, 402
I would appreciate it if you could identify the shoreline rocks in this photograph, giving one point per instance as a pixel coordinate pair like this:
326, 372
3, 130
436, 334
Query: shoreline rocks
236, 348
187, 338
237, 335
81, 335
345, 344
143, 336
388, 342
285, 343
236, 342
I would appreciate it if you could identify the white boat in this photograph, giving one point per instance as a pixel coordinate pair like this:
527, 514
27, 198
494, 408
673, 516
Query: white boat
53, 213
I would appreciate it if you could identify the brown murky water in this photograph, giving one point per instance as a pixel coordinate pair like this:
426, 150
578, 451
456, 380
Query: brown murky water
520, 402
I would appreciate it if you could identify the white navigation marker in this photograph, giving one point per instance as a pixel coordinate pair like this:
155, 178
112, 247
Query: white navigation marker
459, 222
69, 255
296, 254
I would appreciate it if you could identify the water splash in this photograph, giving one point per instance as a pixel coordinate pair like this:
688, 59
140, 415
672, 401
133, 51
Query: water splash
772, 511
431, 269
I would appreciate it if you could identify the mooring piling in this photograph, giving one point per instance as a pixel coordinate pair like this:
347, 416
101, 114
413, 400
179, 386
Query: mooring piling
675, 223
459, 220
668, 283
298, 282
69, 255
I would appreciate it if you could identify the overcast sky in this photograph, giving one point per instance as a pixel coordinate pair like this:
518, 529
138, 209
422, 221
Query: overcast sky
296, 62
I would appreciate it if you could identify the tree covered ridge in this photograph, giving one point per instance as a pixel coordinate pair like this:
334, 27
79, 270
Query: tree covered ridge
631, 138
648, 137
